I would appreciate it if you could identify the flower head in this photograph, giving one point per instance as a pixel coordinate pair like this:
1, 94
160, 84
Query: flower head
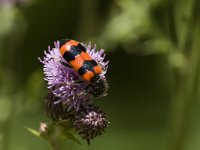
56, 111
68, 102
90, 122
64, 82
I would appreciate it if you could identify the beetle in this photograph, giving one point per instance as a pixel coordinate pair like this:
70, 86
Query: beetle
79, 59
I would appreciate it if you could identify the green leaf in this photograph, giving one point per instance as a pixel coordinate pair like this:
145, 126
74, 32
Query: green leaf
34, 132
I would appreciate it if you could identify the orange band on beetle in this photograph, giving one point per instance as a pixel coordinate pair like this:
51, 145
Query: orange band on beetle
63, 49
77, 63
88, 75
97, 69
72, 42
67, 46
85, 56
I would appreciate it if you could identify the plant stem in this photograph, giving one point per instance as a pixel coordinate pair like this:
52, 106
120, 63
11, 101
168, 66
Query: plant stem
186, 95
56, 140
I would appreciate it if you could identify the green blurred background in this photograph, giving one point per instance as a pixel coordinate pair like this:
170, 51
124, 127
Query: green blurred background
154, 73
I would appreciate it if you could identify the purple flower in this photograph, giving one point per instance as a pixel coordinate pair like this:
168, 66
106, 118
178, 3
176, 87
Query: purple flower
57, 112
90, 122
64, 82
69, 99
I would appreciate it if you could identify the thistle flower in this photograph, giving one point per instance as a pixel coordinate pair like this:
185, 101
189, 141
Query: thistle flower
67, 103
90, 122
63, 81
56, 112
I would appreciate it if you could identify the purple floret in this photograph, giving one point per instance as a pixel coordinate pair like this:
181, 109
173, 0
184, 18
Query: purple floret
90, 122
64, 82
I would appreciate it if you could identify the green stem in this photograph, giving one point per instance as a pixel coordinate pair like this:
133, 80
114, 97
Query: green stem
186, 95
56, 145
11, 86
56, 139
56, 134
